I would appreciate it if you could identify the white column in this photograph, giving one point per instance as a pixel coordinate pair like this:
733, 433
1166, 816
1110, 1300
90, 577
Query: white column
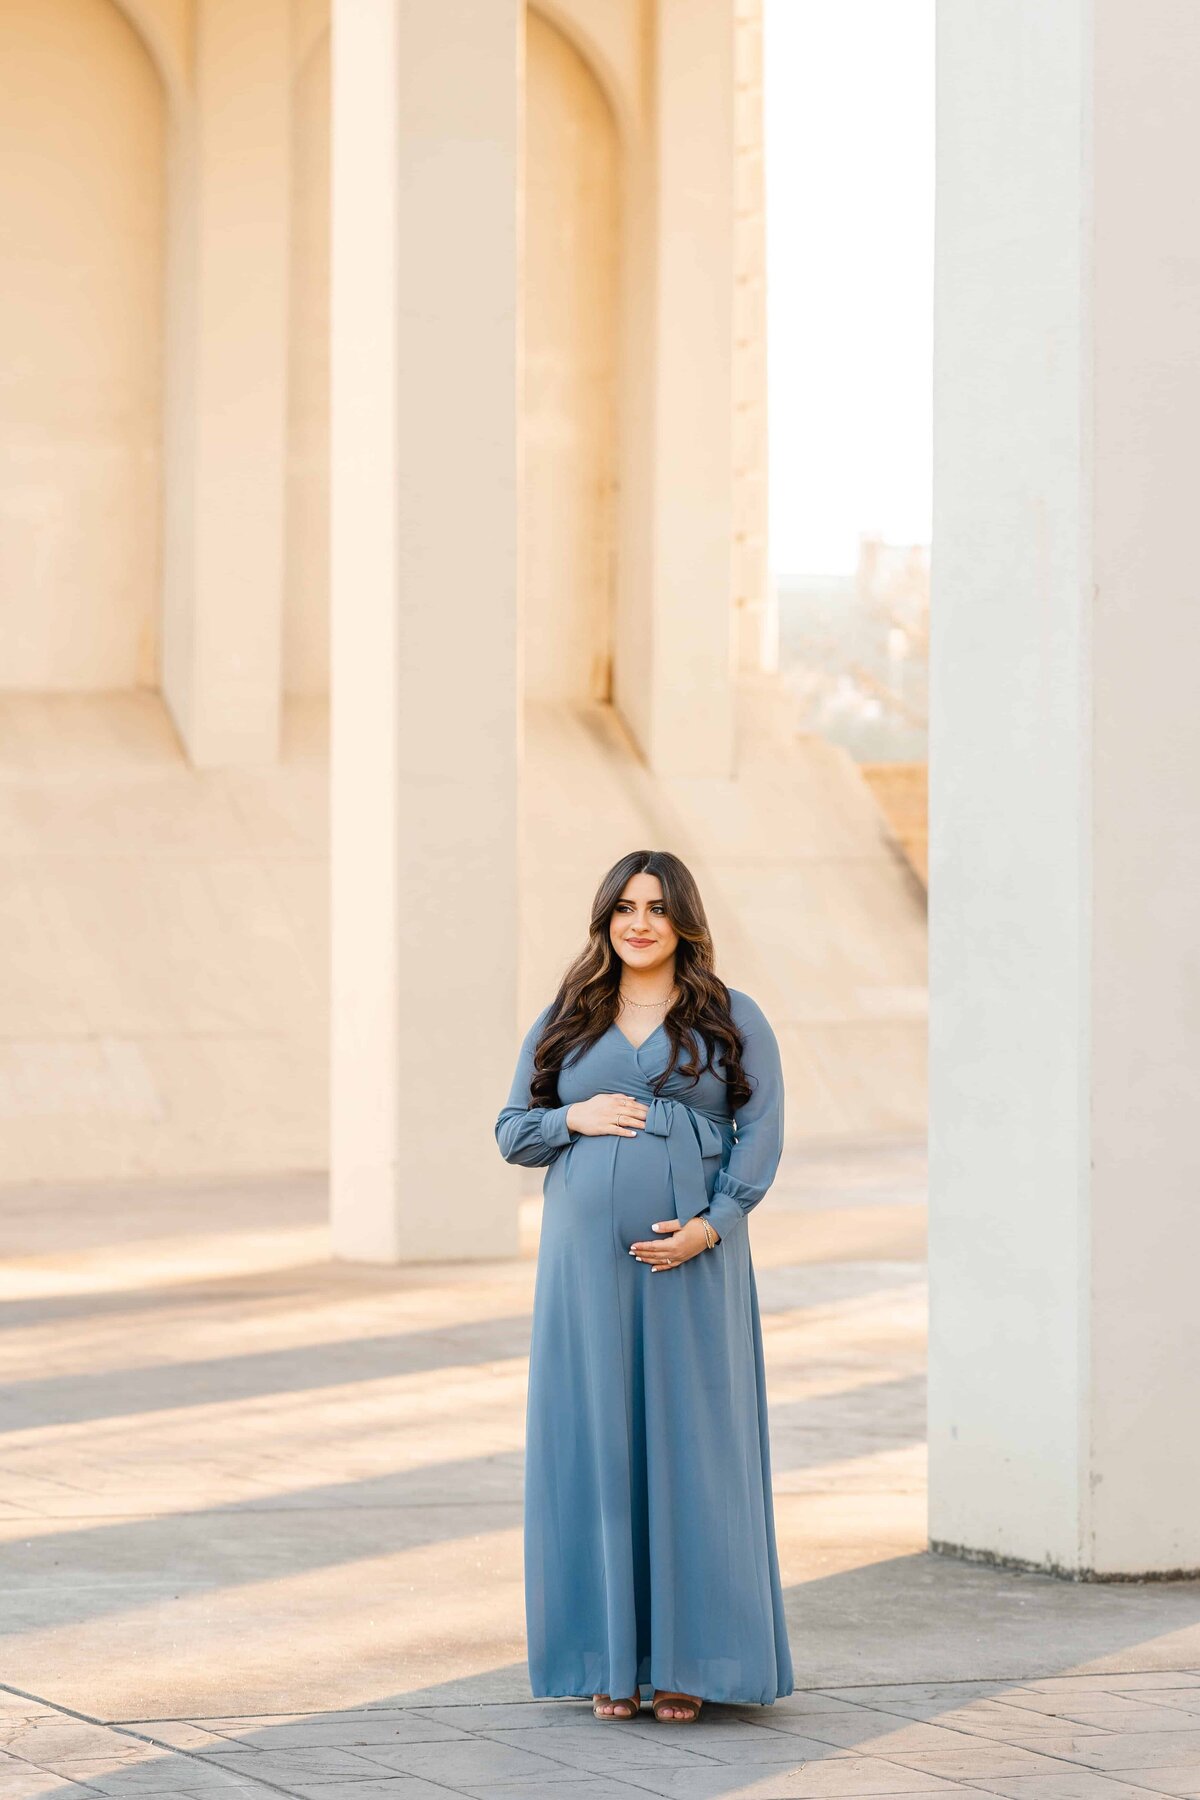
227, 386
425, 148
691, 715
1065, 1036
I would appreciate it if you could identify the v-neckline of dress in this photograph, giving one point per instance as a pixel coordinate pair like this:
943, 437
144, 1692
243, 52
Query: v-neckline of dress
636, 1047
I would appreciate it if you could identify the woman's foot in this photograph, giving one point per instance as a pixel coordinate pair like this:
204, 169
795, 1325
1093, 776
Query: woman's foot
605, 1707
680, 1709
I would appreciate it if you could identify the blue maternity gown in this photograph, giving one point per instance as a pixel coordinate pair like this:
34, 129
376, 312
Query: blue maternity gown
650, 1557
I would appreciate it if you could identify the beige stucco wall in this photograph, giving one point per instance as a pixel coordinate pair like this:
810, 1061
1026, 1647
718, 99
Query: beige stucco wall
83, 307
570, 370
229, 259
306, 587
82, 195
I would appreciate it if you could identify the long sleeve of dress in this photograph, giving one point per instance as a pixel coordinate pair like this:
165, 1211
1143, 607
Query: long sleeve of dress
532, 1135
753, 1160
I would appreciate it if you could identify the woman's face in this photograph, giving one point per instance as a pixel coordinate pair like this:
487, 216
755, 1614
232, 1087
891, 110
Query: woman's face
642, 935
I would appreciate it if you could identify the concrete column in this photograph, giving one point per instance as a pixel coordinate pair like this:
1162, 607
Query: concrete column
424, 451
691, 715
1065, 1037
227, 386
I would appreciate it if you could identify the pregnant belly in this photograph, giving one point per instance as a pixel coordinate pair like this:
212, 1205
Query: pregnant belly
619, 1185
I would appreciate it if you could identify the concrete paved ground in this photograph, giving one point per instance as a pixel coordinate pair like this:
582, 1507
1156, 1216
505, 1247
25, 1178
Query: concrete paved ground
260, 1520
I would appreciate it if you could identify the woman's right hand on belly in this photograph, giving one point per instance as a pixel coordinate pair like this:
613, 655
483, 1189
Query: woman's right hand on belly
607, 1115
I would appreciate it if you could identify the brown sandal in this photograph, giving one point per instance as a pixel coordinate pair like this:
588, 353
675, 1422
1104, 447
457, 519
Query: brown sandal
634, 1701
689, 1700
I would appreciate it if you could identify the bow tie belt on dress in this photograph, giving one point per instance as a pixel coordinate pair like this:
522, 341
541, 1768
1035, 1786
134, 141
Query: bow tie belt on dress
690, 1136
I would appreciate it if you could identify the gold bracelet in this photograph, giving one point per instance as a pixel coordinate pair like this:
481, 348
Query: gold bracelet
710, 1236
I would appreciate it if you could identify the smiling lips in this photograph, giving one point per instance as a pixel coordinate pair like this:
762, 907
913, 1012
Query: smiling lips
639, 943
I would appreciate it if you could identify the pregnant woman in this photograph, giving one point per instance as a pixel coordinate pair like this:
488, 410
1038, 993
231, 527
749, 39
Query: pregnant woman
652, 1095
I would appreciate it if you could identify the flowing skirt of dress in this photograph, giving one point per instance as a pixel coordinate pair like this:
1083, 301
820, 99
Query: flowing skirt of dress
650, 1555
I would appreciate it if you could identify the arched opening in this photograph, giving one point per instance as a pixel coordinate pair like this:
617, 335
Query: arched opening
306, 588
82, 194
571, 252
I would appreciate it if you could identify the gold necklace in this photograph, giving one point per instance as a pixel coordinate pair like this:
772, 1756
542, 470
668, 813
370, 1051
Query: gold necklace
646, 1004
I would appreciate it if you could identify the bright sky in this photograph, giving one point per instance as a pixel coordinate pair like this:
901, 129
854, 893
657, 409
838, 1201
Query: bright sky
849, 134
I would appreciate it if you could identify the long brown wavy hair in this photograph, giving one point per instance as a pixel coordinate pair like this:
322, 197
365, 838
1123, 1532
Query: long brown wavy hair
587, 1000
